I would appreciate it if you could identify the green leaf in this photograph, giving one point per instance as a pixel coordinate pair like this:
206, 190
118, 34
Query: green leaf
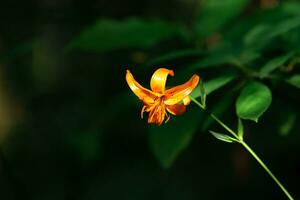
224, 58
285, 26
219, 82
212, 61
290, 7
223, 137
175, 55
294, 80
260, 35
214, 84
214, 15
256, 33
202, 94
248, 56
274, 64
240, 129
169, 140
107, 34
253, 101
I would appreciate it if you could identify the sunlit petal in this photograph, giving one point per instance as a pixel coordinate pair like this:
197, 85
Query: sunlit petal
186, 100
159, 78
176, 109
178, 93
144, 94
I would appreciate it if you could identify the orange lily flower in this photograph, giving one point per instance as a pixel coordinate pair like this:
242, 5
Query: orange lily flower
160, 101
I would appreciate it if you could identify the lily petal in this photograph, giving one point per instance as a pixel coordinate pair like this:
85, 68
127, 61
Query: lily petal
176, 109
186, 100
142, 93
178, 93
159, 78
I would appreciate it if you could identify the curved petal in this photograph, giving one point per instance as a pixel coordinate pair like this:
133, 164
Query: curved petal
159, 78
186, 100
178, 93
176, 109
142, 93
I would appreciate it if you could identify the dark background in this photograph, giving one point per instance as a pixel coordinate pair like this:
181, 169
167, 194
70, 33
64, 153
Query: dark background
70, 126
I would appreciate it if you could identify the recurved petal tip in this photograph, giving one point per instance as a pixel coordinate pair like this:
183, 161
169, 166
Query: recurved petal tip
178, 93
142, 93
159, 79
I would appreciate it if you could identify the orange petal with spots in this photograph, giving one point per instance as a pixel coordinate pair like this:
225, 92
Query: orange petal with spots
178, 93
142, 93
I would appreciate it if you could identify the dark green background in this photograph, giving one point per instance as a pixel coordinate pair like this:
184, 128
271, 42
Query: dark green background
70, 126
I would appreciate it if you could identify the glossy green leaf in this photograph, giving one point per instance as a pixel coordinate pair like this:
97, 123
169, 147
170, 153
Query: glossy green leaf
294, 80
223, 137
169, 140
274, 64
107, 34
253, 101
214, 14
214, 84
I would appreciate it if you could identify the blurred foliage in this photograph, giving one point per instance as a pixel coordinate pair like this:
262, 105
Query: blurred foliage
214, 15
70, 127
108, 35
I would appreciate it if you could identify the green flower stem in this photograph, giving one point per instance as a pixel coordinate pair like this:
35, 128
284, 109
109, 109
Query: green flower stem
267, 169
245, 145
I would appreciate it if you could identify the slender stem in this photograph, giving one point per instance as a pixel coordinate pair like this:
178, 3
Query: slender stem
224, 125
267, 169
245, 145
198, 103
